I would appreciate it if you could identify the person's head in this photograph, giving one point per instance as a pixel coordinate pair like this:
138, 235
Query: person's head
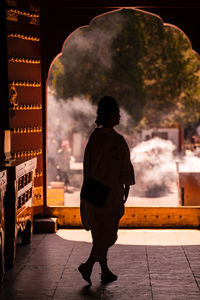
107, 112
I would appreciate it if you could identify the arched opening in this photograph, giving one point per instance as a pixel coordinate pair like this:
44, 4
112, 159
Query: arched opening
158, 89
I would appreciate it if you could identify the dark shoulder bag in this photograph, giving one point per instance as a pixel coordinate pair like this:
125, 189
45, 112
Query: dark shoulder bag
94, 191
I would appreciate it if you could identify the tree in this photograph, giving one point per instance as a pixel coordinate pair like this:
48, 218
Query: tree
150, 68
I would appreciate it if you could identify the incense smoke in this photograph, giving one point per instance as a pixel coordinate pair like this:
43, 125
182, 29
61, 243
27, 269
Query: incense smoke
155, 161
155, 167
95, 39
190, 162
69, 124
75, 114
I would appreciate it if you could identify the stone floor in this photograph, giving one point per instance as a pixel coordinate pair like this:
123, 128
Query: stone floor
151, 264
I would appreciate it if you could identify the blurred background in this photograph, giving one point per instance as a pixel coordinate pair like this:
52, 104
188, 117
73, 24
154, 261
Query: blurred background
152, 71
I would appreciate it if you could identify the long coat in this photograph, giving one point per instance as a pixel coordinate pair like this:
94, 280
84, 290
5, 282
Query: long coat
107, 159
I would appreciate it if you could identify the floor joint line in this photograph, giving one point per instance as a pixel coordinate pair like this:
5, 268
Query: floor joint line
63, 271
148, 268
183, 249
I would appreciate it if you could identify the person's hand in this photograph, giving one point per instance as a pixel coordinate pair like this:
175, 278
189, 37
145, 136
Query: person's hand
126, 192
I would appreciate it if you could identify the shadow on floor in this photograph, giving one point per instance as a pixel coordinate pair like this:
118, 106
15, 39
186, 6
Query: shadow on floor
47, 269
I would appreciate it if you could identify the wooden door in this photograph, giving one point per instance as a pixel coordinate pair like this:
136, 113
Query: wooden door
25, 86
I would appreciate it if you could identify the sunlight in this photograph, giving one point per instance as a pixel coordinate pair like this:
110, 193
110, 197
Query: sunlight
139, 237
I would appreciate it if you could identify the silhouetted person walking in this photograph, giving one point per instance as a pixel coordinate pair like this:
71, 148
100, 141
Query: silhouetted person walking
107, 159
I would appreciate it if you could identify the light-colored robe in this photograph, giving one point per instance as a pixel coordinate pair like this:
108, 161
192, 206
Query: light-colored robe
107, 159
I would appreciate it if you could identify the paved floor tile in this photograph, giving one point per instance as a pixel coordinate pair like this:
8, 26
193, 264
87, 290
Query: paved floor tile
151, 265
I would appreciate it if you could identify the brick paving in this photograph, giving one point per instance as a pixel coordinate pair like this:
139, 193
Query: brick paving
151, 264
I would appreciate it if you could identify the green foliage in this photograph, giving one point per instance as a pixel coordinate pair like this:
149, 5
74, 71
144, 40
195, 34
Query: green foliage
150, 68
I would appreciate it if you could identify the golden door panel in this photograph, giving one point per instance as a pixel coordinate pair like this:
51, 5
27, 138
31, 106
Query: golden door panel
25, 91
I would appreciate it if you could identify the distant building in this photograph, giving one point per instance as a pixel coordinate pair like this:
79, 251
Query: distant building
172, 134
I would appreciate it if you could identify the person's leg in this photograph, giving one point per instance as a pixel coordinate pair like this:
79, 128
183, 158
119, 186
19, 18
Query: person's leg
103, 262
103, 239
106, 274
91, 259
99, 254
86, 268
104, 235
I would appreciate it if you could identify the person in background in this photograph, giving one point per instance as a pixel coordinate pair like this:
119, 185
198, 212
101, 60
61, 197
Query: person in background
63, 163
107, 159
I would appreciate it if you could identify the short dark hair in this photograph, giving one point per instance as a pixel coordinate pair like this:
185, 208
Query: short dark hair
107, 105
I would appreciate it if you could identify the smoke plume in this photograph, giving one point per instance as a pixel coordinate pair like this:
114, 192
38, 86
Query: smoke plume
190, 162
95, 39
76, 114
155, 167
154, 161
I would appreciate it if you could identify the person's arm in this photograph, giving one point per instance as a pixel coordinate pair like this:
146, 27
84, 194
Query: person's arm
86, 163
126, 192
127, 170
